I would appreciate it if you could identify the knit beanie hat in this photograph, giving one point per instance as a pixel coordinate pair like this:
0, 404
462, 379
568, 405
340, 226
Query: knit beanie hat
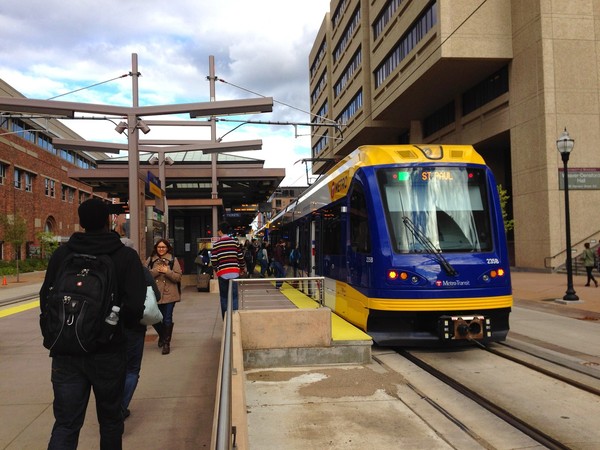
93, 214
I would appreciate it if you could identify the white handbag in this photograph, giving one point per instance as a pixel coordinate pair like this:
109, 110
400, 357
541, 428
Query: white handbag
152, 314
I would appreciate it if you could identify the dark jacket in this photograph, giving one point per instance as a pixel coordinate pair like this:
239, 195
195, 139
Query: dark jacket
130, 275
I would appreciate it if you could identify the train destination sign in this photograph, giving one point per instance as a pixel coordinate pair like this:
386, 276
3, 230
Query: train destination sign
580, 178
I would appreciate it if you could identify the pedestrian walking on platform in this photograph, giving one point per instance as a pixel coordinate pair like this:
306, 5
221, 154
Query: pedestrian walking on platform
167, 272
135, 345
262, 258
279, 261
589, 261
228, 261
74, 375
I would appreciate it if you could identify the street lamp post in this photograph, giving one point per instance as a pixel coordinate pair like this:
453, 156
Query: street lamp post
565, 145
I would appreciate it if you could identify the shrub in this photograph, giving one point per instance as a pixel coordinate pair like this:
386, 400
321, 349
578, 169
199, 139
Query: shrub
28, 265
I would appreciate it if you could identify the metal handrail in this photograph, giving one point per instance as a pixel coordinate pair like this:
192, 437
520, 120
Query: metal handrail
547, 259
225, 433
319, 281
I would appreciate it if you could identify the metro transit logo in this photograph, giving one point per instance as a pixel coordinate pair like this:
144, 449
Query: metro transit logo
453, 283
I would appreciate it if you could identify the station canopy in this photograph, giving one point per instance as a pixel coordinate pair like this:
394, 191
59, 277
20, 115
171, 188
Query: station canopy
243, 182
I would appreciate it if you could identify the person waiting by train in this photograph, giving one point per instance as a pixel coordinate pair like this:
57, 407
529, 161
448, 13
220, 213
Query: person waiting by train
262, 258
295, 256
248, 258
279, 262
202, 261
589, 261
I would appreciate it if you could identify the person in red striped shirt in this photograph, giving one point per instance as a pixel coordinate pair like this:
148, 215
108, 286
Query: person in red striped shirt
228, 262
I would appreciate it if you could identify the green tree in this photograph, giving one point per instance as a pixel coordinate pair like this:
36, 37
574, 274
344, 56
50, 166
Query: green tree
508, 224
48, 243
15, 232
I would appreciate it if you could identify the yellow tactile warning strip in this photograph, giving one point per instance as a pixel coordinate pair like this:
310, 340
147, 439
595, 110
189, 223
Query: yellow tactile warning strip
340, 329
17, 309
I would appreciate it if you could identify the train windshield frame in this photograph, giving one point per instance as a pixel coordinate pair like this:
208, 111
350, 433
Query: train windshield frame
436, 208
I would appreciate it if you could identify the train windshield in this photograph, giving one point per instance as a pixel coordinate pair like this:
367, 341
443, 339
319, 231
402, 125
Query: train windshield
440, 208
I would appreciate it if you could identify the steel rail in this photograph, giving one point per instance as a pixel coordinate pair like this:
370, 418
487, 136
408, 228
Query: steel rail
533, 432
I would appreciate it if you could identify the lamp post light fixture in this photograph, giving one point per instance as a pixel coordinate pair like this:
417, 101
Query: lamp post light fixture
565, 144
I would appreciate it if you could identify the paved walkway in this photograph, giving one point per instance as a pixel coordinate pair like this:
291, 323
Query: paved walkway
172, 407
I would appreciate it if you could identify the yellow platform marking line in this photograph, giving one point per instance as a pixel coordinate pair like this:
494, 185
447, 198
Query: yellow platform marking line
345, 331
340, 329
20, 308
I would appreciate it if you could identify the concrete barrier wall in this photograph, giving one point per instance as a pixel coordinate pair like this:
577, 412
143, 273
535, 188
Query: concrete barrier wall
285, 328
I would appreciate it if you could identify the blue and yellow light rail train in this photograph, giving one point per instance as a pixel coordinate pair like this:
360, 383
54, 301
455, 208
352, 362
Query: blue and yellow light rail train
411, 242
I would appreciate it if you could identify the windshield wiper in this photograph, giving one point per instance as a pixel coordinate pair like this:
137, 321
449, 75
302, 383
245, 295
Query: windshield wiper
429, 247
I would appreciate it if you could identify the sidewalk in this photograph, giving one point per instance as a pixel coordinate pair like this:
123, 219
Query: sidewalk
172, 407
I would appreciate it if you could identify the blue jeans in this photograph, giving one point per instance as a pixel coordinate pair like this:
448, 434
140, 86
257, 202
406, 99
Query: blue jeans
73, 377
135, 351
279, 272
167, 311
224, 292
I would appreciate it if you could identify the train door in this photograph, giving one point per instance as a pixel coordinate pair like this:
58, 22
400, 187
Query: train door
358, 252
315, 255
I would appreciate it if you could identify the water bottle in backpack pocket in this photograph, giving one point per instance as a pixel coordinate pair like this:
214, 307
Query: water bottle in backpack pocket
73, 320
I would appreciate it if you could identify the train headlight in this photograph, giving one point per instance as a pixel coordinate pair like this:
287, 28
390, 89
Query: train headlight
393, 275
493, 274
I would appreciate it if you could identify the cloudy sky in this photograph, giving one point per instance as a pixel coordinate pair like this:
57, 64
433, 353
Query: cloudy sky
51, 47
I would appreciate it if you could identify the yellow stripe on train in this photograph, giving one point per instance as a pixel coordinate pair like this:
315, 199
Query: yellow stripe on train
441, 304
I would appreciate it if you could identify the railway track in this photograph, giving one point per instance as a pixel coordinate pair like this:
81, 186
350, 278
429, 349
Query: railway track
19, 299
526, 428
553, 405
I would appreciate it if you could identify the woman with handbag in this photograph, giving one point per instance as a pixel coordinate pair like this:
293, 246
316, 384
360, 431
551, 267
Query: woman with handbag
166, 271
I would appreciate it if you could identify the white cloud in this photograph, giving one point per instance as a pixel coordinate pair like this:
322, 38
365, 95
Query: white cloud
261, 46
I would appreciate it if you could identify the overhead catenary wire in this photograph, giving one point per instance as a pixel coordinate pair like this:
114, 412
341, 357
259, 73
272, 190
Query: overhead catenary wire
90, 86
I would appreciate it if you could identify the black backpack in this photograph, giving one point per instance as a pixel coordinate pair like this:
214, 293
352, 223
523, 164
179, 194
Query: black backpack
82, 296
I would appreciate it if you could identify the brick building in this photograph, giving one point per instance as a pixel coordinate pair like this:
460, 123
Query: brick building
33, 178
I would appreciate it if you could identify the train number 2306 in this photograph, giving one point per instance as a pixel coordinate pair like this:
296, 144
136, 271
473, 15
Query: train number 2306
492, 260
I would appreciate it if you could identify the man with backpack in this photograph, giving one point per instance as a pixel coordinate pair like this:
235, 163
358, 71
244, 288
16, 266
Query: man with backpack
90, 276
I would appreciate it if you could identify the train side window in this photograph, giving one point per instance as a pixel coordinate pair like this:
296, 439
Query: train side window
360, 238
331, 232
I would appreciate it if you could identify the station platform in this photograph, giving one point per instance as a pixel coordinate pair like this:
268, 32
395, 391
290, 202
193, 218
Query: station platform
174, 403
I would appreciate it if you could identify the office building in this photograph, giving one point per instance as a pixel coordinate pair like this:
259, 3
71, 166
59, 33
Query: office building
505, 76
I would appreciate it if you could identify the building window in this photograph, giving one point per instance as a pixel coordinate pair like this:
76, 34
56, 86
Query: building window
67, 193
321, 144
406, 44
50, 186
318, 59
346, 38
346, 76
492, 87
385, 17
83, 196
353, 107
439, 119
3, 170
18, 178
29, 181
